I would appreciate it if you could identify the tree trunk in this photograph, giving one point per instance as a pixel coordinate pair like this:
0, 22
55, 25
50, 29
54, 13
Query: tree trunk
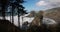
10, 16
13, 14
3, 11
18, 19
4, 4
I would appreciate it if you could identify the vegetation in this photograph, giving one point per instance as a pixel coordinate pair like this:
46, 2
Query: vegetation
7, 26
13, 4
36, 25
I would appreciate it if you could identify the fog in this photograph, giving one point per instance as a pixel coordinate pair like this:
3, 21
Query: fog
46, 21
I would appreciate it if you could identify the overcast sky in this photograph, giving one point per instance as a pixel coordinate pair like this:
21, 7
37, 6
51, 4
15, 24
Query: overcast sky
41, 4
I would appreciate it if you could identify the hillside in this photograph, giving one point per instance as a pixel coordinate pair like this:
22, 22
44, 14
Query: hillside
54, 14
6, 26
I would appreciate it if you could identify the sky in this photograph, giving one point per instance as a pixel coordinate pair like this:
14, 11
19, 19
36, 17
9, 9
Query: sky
38, 5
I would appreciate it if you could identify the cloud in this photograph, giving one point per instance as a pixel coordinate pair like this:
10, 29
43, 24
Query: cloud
48, 3
41, 3
53, 0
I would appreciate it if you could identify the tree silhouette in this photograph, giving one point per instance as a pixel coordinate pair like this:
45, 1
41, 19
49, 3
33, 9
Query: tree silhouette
4, 4
20, 9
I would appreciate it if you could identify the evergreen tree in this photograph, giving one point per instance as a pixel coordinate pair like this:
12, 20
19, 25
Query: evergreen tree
3, 4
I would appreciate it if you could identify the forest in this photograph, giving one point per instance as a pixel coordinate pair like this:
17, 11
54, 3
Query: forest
13, 11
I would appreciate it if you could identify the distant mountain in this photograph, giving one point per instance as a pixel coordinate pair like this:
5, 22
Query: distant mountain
32, 14
53, 13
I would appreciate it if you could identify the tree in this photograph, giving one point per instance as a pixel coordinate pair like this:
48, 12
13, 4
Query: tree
20, 9
4, 4
14, 4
